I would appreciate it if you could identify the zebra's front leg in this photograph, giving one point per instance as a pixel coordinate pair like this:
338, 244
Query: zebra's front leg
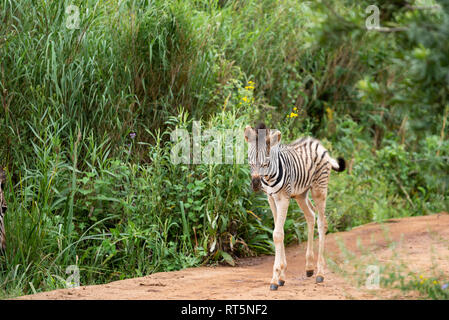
280, 262
283, 258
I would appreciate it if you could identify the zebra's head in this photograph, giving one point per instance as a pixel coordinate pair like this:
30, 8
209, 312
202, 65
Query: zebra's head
261, 141
3, 208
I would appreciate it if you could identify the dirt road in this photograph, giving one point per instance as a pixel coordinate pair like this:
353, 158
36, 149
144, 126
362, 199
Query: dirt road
421, 243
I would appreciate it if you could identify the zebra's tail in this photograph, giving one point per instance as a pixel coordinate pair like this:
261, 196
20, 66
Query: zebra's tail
338, 165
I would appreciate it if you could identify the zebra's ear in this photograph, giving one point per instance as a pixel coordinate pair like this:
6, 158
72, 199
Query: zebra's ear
250, 133
2, 175
275, 137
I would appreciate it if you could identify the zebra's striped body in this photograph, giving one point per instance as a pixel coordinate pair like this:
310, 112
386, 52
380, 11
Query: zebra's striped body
297, 167
3, 208
291, 171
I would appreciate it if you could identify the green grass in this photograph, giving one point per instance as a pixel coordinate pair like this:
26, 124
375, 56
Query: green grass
81, 190
394, 273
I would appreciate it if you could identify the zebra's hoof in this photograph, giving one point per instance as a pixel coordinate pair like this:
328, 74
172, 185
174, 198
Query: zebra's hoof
281, 282
273, 287
309, 273
319, 279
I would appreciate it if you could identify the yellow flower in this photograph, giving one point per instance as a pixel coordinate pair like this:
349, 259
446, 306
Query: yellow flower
421, 277
293, 115
435, 282
295, 109
245, 99
249, 87
329, 113
250, 82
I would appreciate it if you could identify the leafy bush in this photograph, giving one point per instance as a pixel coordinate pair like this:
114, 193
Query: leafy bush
87, 115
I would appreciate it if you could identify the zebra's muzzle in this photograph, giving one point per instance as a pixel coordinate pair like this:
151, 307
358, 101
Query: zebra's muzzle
256, 184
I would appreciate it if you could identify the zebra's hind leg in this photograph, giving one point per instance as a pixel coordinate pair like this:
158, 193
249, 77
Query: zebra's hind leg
278, 239
304, 204
319, 196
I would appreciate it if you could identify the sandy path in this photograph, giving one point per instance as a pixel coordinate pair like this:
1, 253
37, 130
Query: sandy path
420, 242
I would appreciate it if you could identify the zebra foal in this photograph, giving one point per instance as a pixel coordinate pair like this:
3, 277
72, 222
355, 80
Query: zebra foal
291, 171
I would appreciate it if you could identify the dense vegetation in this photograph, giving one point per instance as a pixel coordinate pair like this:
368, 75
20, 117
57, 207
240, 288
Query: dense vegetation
86, 116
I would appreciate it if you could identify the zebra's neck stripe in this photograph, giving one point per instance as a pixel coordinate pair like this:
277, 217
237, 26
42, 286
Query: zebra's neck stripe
280, 174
